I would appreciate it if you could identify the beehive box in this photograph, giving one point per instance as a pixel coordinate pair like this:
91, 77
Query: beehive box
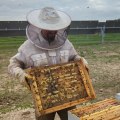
108, 109
60, 86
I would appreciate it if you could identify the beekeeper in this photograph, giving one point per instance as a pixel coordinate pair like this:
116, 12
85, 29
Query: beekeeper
46, 44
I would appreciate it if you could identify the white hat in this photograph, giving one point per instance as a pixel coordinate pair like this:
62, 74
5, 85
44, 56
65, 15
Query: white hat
49, 19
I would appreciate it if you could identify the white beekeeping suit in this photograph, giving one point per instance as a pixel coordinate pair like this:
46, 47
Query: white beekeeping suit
36, 50
30, 55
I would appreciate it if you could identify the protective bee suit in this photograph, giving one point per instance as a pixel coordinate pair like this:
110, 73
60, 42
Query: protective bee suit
37, 51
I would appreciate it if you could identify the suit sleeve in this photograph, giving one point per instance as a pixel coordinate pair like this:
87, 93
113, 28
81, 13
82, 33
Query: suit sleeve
17, 65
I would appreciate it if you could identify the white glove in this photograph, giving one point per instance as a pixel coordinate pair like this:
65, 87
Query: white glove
84, 62
19, 74
22, 76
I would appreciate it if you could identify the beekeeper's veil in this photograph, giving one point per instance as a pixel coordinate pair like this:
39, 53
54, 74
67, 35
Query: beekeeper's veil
47, 19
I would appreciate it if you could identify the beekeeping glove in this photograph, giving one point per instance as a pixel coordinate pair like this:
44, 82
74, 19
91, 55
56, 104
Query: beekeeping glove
84, 62
22, 76
19, 74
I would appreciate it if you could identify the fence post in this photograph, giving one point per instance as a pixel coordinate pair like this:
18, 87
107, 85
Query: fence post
103, 34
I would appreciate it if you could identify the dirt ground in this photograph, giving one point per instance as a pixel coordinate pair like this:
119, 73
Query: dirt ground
27, 114
104, 67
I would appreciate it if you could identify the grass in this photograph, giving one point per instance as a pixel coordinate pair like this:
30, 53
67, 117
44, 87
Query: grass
10, 43
104, 65
83, 39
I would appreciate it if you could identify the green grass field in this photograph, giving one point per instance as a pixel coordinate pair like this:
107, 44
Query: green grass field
15, 42
83, 39
104, 66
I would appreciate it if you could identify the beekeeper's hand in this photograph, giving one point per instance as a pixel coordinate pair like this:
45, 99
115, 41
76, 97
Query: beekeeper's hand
23, 78
84, 62
21, 75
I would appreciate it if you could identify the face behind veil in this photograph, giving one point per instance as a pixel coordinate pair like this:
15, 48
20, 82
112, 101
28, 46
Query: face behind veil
35, 36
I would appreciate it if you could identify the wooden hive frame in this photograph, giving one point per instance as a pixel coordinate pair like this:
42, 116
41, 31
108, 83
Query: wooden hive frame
77, 87
108, 109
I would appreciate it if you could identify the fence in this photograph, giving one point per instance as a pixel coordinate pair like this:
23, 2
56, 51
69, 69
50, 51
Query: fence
94, 35
79, 32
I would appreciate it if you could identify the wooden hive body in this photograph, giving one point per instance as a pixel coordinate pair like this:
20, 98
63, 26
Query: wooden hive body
108, 109
60, 86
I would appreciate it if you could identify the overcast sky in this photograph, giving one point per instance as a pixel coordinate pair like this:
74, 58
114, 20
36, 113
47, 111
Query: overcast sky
78, 9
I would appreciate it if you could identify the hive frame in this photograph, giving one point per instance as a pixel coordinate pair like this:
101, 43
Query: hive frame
86, 81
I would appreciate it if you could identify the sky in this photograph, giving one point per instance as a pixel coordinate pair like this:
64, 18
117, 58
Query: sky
102, 10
